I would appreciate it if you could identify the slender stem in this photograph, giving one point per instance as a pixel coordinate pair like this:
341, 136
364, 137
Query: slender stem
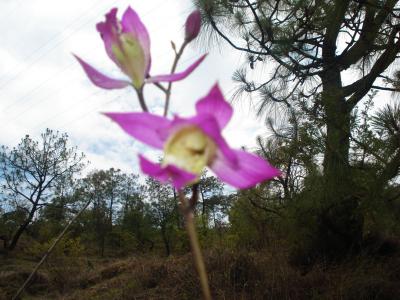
178, 55
188, 213
141, 99
160, 86
48, 252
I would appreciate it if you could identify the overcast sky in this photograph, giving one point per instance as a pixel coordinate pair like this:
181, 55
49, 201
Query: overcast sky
41, 85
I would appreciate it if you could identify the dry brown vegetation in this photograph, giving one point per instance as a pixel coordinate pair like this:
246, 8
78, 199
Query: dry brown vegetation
233, 275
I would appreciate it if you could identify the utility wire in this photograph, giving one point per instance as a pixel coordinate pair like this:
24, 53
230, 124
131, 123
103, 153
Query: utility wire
54, 37
68, 66
38, 58
6, 16
38, 87
91, 109
95, 93
59, 90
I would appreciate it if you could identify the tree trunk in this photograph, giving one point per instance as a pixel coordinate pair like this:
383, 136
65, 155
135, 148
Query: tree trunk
5, 241
203, 213
166, 241
339, 221
22, 228
336, 159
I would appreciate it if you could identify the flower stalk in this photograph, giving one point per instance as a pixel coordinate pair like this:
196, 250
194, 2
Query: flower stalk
187, 208
178, 55
142, 102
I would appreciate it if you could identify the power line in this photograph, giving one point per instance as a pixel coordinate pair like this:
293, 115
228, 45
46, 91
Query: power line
71, 107
21, 114
30, 65
93, 109
43, 83
54, 37
10, 12
37, 88
95, 93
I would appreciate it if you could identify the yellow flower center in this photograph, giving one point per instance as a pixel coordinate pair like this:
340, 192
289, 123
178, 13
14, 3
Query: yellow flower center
189, 149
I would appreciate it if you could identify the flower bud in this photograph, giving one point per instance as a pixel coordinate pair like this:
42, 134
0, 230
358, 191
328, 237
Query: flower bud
192, 26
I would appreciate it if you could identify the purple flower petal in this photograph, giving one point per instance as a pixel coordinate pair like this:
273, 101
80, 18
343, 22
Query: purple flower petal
176, 76
179, 177
109, 31
147, 128
132, 25
214, 104
100, 79
250, 170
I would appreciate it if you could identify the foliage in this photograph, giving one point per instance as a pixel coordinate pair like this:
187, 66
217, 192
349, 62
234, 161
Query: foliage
32, 173
326, 61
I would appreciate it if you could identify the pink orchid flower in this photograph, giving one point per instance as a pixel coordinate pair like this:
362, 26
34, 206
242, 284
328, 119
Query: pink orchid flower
190, 144
127, 43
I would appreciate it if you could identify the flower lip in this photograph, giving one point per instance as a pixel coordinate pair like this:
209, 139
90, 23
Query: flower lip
190, 149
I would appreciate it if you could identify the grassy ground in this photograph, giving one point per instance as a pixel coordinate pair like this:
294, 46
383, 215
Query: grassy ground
233, 275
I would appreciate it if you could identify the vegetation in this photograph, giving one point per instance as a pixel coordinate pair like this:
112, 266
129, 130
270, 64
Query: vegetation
326, 61
327, 228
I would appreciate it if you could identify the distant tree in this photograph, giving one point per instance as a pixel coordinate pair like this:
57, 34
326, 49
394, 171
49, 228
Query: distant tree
213, 206
103, 188
30, 174
135, 213
164, 210
54, 216
323, 59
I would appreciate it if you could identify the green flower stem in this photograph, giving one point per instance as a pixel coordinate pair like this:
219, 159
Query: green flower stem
188, 213
142, 102
174, 65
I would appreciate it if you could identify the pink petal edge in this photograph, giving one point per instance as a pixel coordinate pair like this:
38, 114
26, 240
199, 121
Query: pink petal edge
178, 177
176, 76
250, 170
215, 104
109, 32
145, 127
100, 79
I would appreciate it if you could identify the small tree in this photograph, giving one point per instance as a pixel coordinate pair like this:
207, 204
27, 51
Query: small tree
30, 173
212, 200
164, 210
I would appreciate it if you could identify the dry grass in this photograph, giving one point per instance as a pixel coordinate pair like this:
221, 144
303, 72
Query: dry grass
233, 275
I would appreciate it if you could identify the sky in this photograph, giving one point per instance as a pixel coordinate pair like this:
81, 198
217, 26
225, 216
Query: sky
42, 86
